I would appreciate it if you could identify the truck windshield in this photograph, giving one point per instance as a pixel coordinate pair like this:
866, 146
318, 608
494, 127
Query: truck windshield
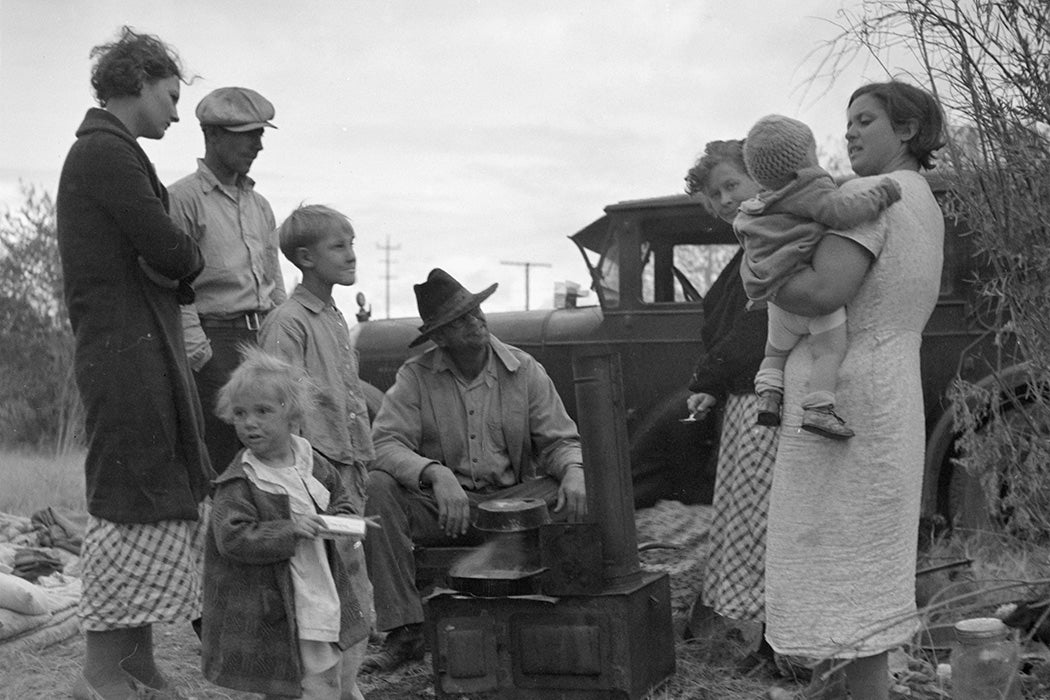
607, 275
682, 273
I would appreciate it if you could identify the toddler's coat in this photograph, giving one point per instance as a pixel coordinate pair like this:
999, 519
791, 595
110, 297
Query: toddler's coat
250, 640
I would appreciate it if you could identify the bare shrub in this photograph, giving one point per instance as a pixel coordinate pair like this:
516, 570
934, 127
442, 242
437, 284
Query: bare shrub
39, 405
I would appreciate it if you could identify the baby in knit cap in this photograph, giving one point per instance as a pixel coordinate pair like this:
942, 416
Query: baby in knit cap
779, 230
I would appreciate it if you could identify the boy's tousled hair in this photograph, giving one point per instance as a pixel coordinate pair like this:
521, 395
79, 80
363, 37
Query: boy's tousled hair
124, 66
259, 369
306, 225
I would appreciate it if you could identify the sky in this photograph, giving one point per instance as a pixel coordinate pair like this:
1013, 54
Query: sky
462, 134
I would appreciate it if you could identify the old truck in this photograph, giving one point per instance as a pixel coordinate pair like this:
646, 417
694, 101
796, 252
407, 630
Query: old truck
649, 262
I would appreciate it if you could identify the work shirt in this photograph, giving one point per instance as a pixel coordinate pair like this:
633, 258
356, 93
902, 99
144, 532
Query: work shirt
506, 426
312, 334
486, 462
235, 228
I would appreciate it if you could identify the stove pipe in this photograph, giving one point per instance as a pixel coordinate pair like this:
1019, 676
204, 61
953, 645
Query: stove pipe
601, 419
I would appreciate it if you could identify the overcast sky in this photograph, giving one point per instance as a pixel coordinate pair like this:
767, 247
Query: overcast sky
464, 132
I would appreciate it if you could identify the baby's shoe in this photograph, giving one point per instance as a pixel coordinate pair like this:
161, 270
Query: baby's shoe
823, 421
769, 407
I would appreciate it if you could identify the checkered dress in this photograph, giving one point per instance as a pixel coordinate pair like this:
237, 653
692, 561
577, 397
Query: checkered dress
734, 581
136, 574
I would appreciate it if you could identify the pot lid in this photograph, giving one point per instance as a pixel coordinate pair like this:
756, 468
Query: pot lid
511, 515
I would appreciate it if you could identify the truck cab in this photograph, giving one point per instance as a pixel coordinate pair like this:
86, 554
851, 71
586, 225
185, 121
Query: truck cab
650, 261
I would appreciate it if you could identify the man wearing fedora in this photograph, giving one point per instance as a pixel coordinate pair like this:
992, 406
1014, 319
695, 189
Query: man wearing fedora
469, 420
235, 228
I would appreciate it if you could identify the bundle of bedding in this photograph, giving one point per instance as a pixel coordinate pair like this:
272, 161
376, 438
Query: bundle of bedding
39, 585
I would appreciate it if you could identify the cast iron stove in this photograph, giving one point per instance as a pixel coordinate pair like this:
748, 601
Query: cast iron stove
586, 622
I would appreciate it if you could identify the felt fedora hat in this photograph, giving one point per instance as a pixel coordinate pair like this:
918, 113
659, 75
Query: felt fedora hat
441, 300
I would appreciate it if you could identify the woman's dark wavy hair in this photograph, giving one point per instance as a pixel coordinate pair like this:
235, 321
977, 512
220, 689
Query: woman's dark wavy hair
715, 153
906, 104
127, 64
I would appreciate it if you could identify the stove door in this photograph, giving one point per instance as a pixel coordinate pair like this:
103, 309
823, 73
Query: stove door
466, 658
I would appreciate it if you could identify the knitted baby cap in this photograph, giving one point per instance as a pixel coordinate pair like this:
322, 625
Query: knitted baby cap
775, 149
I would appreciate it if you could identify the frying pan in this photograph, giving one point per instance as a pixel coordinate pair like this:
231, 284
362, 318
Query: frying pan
497, 583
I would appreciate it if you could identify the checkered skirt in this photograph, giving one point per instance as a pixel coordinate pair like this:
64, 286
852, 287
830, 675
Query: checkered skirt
734, 580
137, 574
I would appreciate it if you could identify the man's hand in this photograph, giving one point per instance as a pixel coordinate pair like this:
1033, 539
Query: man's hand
453, 505
572, 494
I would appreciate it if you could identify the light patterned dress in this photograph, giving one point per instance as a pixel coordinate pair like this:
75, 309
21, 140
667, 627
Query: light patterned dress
843, 516
733, 579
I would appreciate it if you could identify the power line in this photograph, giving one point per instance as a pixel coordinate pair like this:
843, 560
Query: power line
527, 266
386, 266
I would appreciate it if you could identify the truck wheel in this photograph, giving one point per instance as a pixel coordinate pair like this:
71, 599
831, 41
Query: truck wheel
967, 506
1014, 499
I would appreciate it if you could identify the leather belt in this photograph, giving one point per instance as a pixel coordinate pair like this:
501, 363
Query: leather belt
249, 321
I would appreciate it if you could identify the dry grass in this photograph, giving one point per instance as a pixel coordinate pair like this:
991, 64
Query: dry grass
1003, 570
704, 671
32, 482
705, 667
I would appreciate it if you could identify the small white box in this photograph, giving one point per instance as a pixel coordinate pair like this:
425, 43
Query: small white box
343, 526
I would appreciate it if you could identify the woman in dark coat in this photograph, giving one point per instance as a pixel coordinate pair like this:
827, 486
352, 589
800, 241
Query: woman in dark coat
127, 266
734, 343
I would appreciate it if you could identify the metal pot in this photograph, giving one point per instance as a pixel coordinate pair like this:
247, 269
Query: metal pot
511, 515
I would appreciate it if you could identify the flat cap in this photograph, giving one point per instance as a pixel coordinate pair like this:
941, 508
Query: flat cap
235, 109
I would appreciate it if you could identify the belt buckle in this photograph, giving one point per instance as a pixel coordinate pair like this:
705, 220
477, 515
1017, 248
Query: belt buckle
251, 320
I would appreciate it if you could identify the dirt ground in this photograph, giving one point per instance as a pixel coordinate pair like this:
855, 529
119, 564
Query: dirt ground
50, 673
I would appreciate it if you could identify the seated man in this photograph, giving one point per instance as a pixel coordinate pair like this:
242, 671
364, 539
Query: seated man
467, 421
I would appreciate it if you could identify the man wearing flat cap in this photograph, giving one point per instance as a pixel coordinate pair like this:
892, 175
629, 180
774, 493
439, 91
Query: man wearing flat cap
469, 420
235, 228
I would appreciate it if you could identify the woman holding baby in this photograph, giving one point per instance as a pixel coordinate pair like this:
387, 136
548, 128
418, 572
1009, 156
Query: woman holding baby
843, 515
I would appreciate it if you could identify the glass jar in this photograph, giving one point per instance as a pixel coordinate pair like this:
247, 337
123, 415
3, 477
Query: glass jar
985, 660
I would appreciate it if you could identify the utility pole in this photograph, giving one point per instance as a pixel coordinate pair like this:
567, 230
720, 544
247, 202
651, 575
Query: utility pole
386, 263
527, 266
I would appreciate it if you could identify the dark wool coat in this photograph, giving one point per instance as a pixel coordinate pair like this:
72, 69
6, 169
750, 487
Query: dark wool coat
146, 459
249, 639
734, 338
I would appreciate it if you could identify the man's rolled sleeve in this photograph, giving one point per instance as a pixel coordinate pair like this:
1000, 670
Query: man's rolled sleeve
273, 260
